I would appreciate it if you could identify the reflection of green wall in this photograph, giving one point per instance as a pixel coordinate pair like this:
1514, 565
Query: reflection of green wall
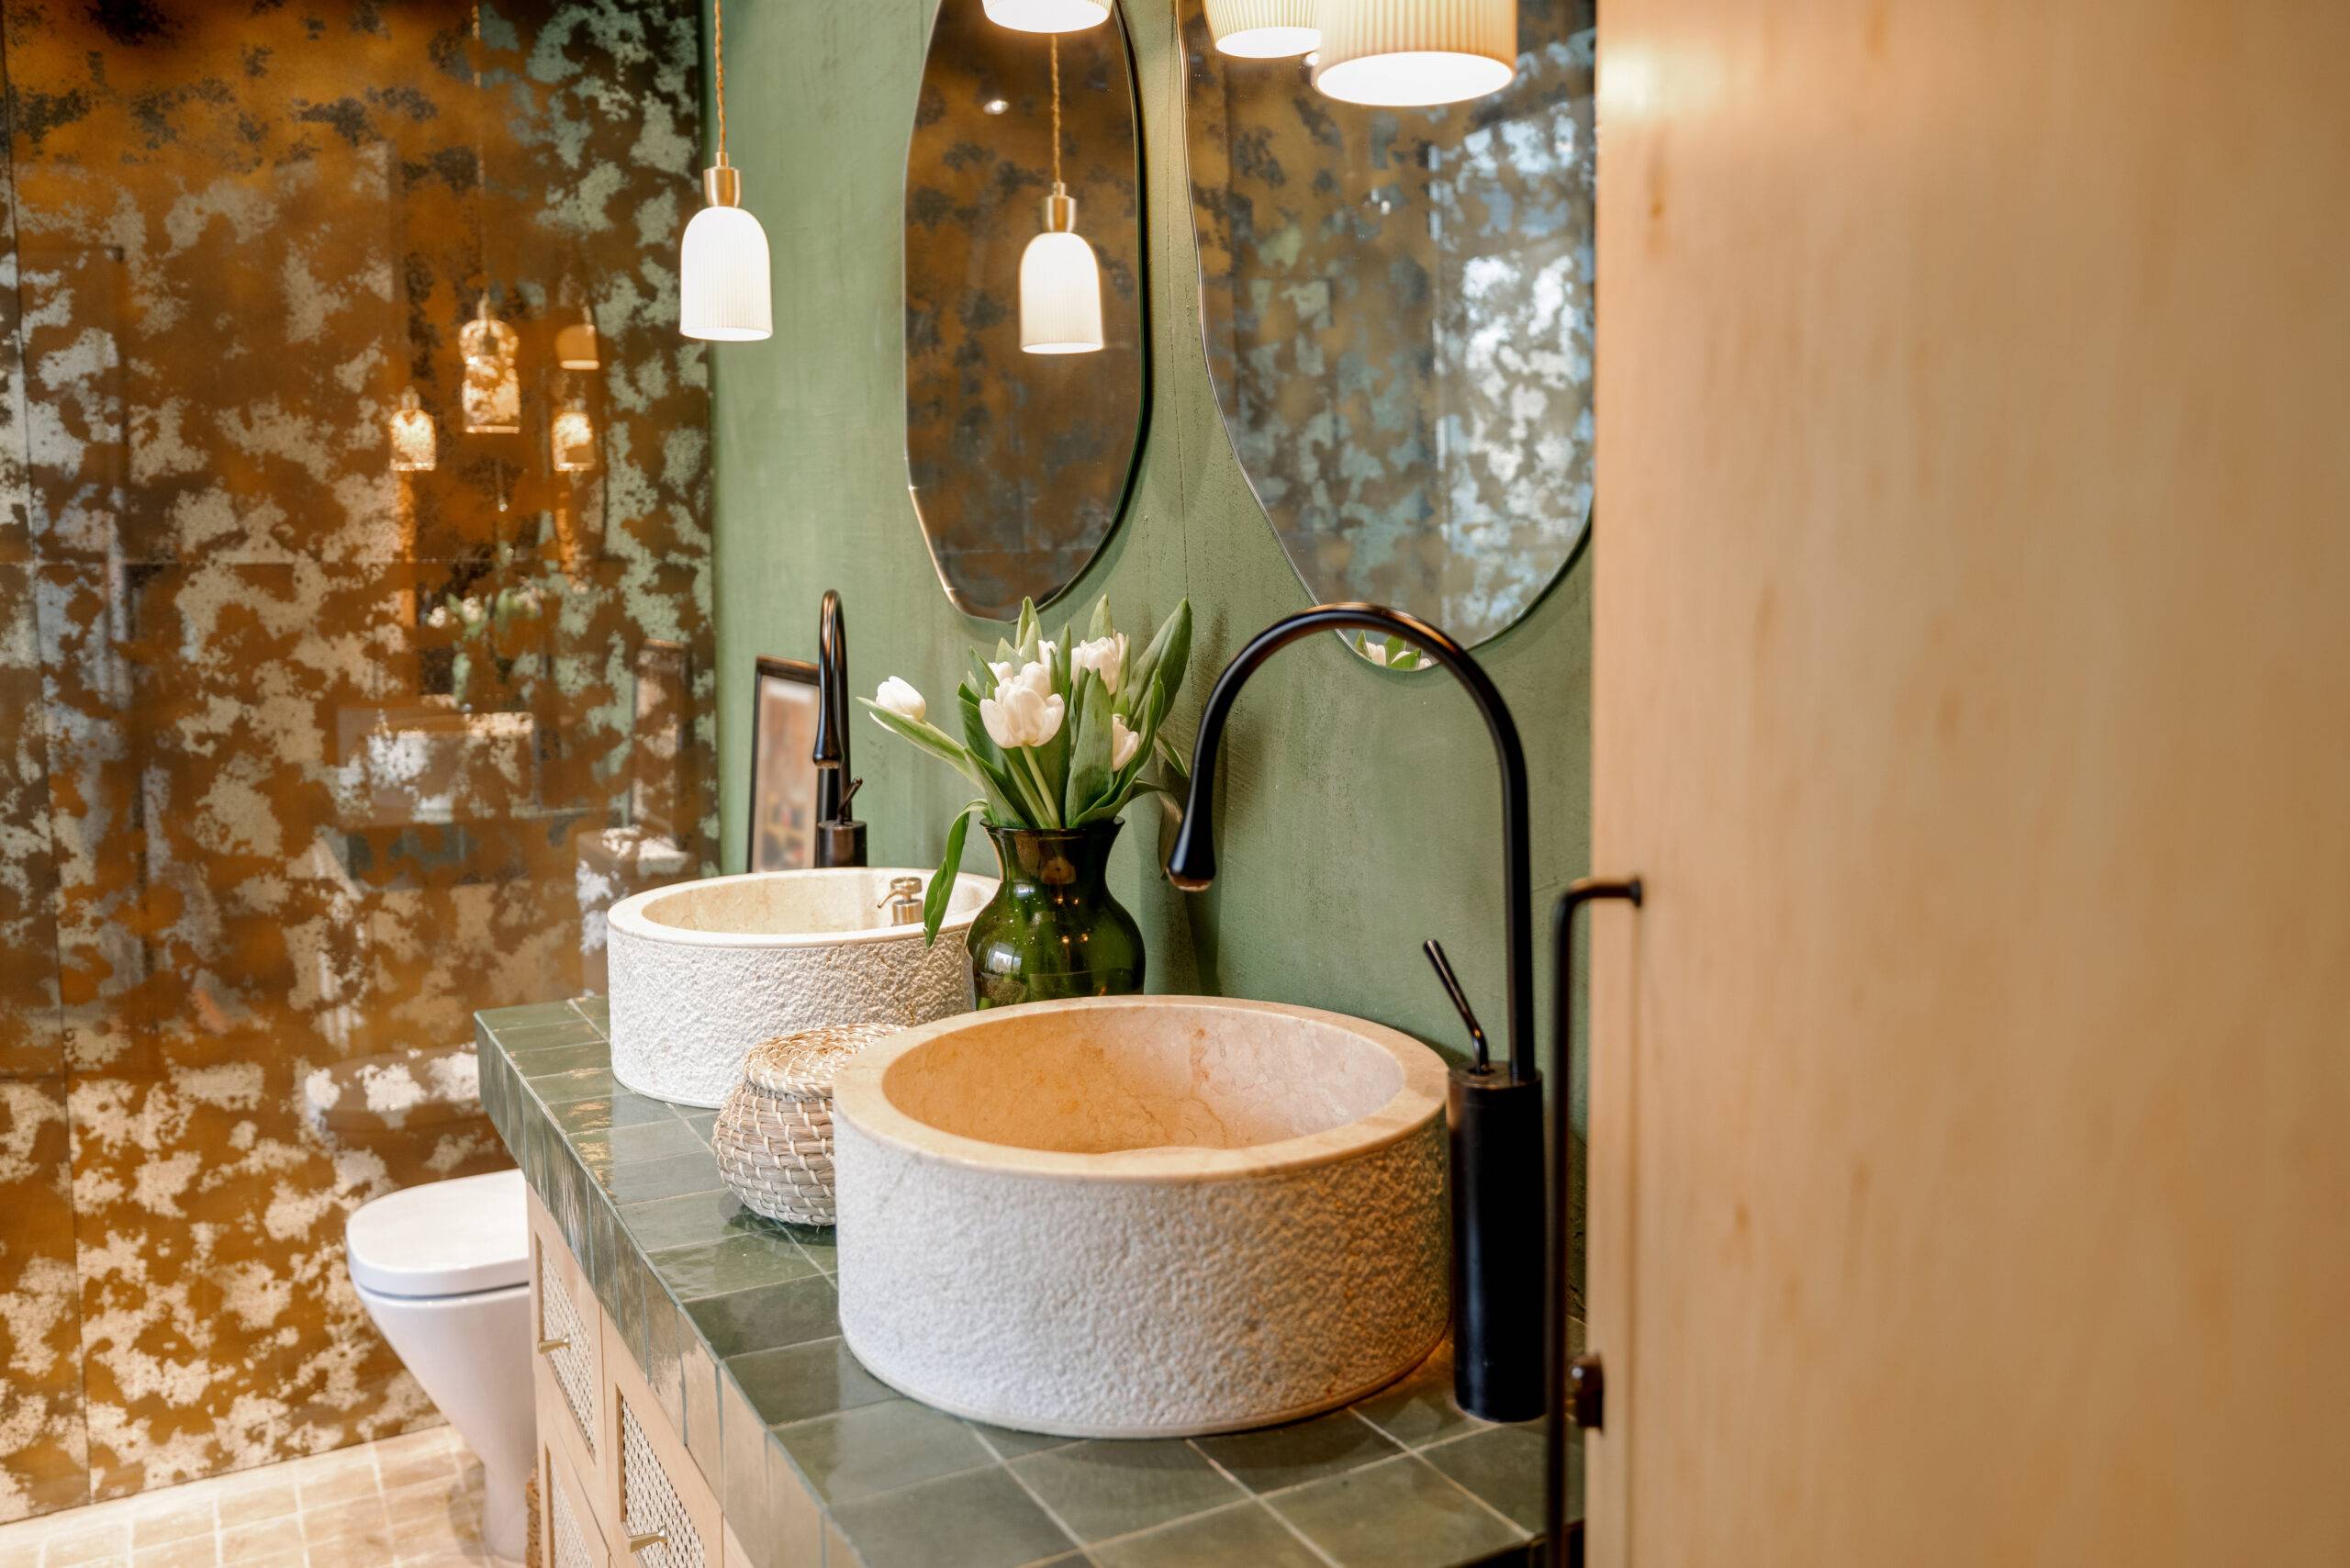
1360, 809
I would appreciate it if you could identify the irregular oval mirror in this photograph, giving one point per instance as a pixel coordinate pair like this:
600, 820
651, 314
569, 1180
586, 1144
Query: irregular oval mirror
1398, 312
1025, 378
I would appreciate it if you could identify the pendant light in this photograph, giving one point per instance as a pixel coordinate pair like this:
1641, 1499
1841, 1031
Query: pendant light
1061, 284
576, 347
571, 440
1046, 16
416, 444
1263, 29
492, 389
723, 296
1416, 53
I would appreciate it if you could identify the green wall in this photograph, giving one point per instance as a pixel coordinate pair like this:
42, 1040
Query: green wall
1360, 811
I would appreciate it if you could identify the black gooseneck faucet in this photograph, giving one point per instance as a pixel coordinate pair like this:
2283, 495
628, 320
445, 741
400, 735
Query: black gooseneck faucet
1494, 1109
840, 838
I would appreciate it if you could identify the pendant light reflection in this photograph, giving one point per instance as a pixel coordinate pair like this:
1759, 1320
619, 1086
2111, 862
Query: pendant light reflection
1416, 53
1263, 29
493, 391
416, 444
724, 293
1060, 282
1046, 16
571, 441
576, 347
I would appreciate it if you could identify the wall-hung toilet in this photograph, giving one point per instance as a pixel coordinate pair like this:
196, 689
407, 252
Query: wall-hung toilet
445, 1272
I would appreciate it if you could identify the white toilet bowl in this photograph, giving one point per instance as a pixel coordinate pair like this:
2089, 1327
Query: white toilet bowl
445, 1271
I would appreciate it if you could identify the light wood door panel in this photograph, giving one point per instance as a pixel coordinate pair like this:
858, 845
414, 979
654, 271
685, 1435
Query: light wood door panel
1971, 1101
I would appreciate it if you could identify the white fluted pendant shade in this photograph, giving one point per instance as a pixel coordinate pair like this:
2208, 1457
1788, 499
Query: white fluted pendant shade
1403, 54
416, 444
1046, 16
571, 441
1060, 296
1263, 29
723, 291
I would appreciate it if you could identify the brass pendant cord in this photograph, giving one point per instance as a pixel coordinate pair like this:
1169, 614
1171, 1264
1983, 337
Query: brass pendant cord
718, 66
1055, 40
481, 175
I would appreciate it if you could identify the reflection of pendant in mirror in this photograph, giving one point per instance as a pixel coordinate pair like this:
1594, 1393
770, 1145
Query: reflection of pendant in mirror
1060, 285
416, 446
571, 440
1046, 16
1264, 29
1416, 53
576, 347
493, 391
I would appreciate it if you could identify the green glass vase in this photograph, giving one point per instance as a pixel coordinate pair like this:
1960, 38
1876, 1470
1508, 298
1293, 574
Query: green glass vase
1053, 930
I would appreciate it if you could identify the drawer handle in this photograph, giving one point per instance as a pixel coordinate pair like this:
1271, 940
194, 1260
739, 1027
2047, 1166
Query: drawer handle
549, 1347
643, 1543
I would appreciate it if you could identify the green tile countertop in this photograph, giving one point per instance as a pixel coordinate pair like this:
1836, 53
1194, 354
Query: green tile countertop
733, 1319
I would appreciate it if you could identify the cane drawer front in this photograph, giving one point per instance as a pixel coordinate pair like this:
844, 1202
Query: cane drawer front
668, 1517
573, 1538
568, 1329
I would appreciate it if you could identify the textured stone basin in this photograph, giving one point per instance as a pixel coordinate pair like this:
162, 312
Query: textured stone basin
703, 971
1141, 1216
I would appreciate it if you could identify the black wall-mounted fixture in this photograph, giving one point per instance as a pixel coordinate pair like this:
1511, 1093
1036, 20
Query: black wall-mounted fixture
1493, 1109
840, 838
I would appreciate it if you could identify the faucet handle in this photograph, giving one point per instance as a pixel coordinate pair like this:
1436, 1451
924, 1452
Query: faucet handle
1435, 950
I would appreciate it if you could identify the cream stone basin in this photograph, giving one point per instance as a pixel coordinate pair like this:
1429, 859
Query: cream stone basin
703, 971
1141, 1216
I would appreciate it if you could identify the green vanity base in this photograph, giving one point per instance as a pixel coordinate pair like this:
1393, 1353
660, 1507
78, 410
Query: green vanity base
731, 1319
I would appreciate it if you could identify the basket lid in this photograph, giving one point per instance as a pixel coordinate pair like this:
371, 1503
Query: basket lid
802, 1064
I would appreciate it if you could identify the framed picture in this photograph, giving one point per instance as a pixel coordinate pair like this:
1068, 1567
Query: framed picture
784, 705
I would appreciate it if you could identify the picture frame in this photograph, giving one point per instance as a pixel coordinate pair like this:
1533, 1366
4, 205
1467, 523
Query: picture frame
785, 706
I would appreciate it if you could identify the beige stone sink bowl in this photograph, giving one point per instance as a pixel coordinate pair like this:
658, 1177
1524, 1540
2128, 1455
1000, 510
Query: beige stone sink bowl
703, 971
1141, 1216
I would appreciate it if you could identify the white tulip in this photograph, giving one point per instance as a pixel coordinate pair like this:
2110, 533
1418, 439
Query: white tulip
1024, 711
1105, 657
1123, 743
900, 698
1375, 652
1002, 671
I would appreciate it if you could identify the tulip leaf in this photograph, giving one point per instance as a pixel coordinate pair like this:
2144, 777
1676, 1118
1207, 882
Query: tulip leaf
928, 736
1169, 650
1089, 768
942, 884
1100, 626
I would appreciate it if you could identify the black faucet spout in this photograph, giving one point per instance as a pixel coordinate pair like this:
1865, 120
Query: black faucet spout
1191, 867
840, 841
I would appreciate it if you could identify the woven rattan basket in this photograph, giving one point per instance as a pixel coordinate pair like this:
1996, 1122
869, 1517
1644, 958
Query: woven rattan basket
774, 1135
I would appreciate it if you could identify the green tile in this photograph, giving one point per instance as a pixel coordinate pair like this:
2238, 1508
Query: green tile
572, 1034
695, 1218
742, 1260
663, 1330
600, 1113
702, 1128
644, 1180
1102, 1489
1418, 1410
1246, 1534
651, 1140
1276, 1457
793, 1383
536, 1065
585, 1083
789, 1314
816, 1241
979, 1520
597, 1010
1011, 1444
498, 1020
698, 1378
1504, 1467
879, 1447
1397, 1514
742, 1490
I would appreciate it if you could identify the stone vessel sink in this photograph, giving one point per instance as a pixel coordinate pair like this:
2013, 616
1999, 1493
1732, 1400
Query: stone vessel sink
1141, 1216
703, 971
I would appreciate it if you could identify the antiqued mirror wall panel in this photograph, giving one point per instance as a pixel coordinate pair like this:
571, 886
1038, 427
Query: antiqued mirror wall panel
1398, 308
1026, 398
350, 458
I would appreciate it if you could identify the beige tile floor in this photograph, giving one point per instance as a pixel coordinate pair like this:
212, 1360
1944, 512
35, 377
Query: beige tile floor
410, 1500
